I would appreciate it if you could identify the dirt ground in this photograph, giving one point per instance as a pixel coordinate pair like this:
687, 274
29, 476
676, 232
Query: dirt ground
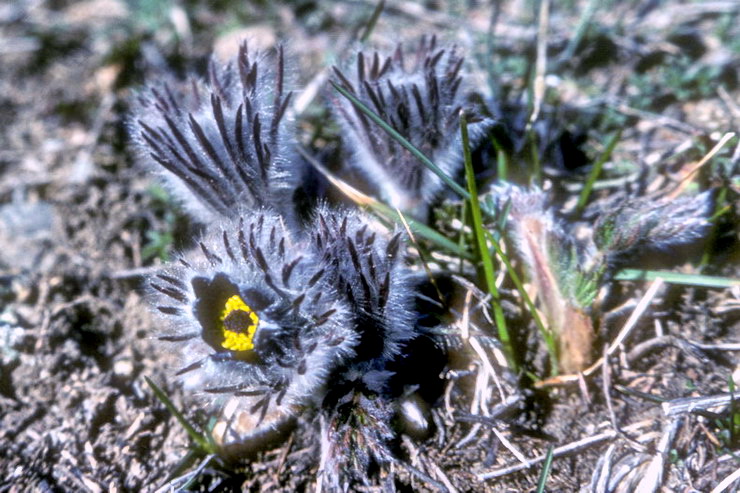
81, 224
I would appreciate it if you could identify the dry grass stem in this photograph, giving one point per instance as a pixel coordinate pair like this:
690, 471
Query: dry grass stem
727, 482
691, 173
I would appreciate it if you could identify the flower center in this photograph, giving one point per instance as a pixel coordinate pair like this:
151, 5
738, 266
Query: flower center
239, 323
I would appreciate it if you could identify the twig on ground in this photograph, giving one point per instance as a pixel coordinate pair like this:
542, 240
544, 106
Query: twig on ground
643, 348
727, 482
510, 446
473, 341
652, 479
686, 180
606, 384
695, 404
558, 452
573, 447
602, 471
728, 346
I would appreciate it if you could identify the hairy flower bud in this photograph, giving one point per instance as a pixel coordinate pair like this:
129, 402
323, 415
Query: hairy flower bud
225, 144
421, 99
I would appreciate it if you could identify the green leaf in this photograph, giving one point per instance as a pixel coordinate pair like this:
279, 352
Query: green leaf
201, 440
485, 256
677, 278
596, 170
423, 230
370, 26
545, 471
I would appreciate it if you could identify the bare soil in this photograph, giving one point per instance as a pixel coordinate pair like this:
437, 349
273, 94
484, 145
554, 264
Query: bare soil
80, 224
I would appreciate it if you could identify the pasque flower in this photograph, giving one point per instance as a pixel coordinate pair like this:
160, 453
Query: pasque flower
420, 94
275, 311
224, 145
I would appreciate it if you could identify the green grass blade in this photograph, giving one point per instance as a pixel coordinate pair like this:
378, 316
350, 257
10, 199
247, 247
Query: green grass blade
581, 28
733, 421
462, 240
720, 208
545, 473
502, 160
596, 171
485, 255
677, 278
200, 439
184, 464
424, 231
402, 140
370, 26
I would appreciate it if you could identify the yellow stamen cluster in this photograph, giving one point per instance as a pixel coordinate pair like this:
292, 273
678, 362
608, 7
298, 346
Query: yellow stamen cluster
242, 339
